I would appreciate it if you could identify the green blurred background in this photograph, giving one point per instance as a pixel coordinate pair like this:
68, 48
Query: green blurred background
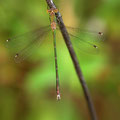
27, 89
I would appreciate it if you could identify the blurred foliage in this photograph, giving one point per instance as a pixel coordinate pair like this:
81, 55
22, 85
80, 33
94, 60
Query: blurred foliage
27, 89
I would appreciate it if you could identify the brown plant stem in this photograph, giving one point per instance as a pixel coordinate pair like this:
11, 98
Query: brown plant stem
74, 59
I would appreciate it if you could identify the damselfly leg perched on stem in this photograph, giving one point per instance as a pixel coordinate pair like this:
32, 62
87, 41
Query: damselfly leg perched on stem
22, 46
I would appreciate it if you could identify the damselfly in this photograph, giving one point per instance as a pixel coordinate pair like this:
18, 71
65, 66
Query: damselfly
23, 45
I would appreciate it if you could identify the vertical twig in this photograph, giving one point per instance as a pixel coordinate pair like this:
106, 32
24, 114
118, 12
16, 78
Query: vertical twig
74, 59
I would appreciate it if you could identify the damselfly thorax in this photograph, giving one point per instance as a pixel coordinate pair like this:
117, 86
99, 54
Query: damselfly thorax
52, 12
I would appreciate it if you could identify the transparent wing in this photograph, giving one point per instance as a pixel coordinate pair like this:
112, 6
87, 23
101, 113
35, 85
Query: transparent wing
88, 41
22, 46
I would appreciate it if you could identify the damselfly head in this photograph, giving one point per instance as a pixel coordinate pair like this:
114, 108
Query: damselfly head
52, 11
